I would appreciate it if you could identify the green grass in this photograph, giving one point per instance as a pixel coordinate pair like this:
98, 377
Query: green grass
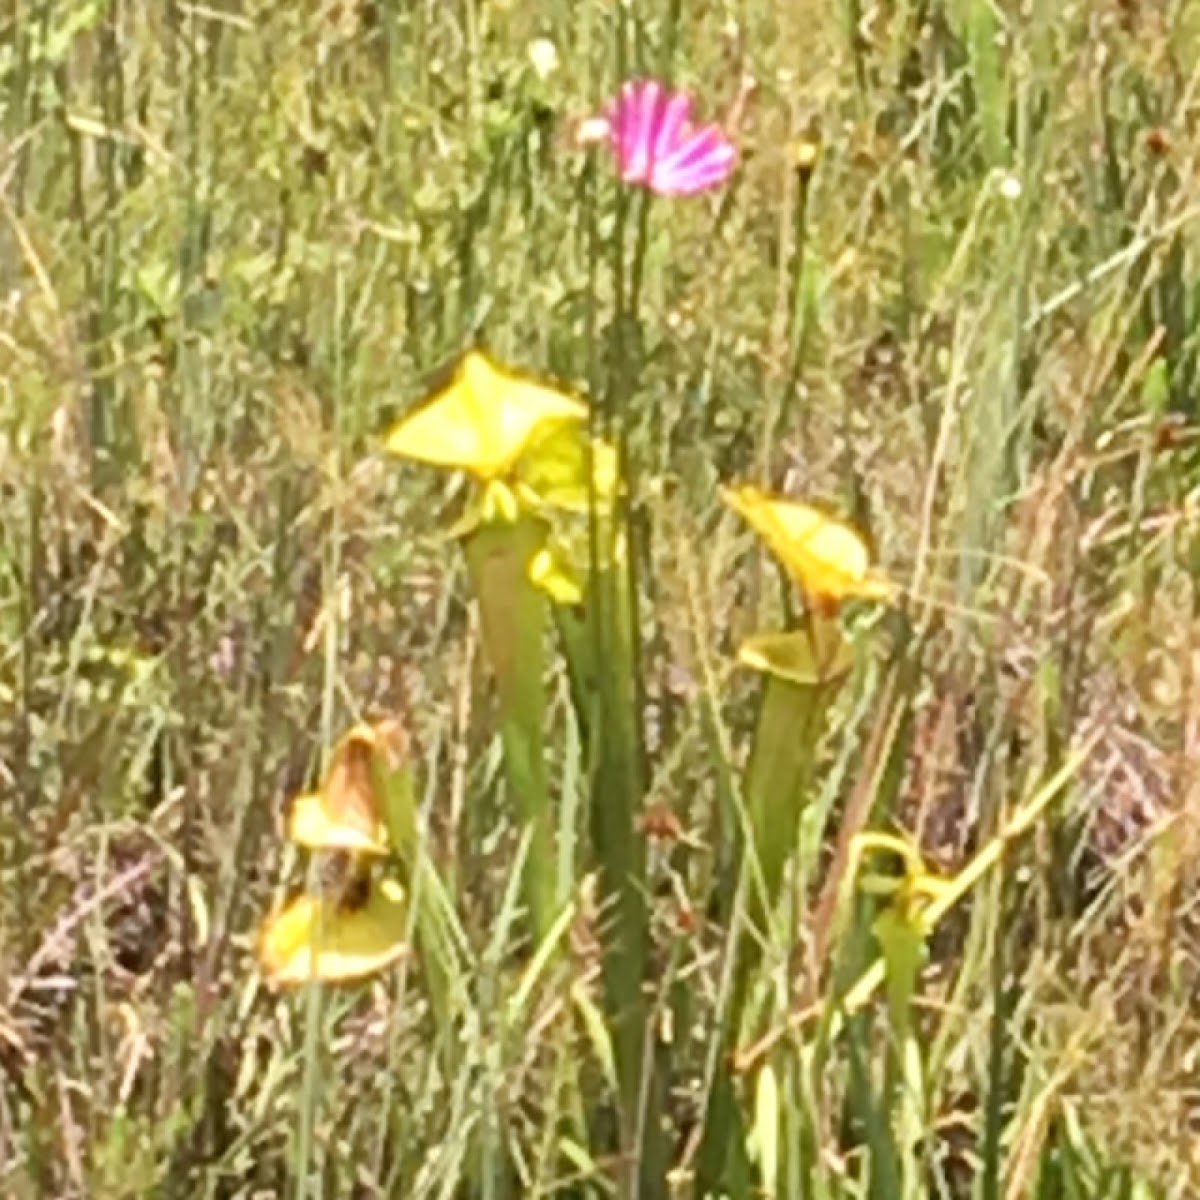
237, 240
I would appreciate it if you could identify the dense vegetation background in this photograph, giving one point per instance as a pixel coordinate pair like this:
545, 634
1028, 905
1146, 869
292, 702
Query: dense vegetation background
238, 239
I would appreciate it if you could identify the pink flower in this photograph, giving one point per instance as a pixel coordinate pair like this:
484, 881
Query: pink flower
656, 144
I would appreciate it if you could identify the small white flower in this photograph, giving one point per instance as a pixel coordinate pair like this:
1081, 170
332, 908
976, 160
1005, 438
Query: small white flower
592, 130
1010, 187
543, 55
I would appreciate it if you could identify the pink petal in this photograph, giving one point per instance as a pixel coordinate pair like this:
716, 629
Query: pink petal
637, 121
696, 146
672, 126
702, 161
701, 180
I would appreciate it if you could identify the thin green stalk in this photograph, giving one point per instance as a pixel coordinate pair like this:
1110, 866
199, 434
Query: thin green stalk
435, 929
798, 324
30, 591
617, 788
853, 20
101, 419
998, 1033
637, 268
777, 407
308, 1149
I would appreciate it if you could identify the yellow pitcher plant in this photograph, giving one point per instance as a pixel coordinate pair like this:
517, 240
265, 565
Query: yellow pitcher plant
526, 444
804, 667
541, 481
355, 925
827, 558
